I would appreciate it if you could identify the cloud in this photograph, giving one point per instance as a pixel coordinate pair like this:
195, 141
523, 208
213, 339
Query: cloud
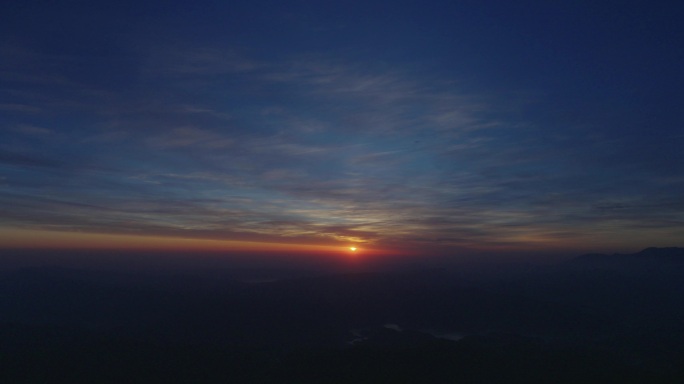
18, 159
16, 107
316, 148
197, 61
190, 137
32, 130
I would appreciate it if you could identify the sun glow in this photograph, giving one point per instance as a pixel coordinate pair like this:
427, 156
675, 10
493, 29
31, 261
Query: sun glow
353, 249
42, 239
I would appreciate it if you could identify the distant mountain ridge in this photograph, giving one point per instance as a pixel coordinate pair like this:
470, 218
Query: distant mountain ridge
651, 254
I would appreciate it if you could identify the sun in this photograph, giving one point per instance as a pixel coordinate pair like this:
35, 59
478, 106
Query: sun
353, 249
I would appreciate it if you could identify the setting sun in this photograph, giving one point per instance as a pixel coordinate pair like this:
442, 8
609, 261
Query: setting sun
353, 249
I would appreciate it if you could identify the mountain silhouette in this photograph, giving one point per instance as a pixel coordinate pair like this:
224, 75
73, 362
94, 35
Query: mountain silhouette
648, 255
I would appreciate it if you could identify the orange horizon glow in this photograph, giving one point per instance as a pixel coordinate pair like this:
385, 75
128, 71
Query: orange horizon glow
44, 239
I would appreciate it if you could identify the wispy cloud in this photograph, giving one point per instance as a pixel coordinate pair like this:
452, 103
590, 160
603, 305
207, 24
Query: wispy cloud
189, 136
15, 107
313, 148
197, 61
32, 130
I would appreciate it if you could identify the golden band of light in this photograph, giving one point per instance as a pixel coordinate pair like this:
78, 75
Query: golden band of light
42, 239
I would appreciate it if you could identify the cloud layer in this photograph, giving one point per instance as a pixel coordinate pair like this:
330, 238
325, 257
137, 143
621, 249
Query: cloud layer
208, 139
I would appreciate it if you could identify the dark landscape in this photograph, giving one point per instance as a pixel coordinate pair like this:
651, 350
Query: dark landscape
594, 318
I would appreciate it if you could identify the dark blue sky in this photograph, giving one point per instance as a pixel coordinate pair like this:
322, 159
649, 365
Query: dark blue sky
420, 125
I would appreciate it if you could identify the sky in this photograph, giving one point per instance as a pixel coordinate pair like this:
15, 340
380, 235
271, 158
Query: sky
397, 127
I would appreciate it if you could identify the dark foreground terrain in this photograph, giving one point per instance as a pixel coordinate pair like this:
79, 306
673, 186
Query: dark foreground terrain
597, 318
